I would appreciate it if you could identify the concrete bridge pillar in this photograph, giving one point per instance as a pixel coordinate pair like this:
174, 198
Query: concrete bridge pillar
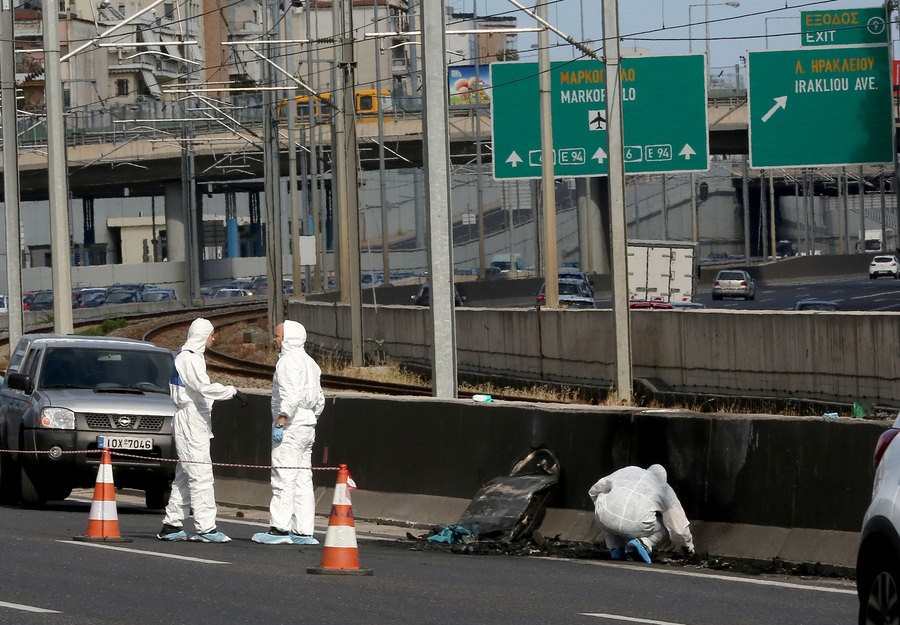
176, 218
592, 231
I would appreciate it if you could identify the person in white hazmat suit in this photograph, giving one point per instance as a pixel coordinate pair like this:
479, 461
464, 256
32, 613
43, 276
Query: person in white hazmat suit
193, 394
297, 402
638, 511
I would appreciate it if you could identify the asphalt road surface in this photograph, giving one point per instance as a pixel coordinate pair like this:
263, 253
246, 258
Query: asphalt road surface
49, 578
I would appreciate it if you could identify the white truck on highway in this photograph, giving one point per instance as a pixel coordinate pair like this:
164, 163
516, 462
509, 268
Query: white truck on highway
662, 271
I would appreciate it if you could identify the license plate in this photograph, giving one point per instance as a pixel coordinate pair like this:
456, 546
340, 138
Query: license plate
125, 443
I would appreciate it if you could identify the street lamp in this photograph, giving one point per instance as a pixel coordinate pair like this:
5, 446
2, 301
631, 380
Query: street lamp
706, 5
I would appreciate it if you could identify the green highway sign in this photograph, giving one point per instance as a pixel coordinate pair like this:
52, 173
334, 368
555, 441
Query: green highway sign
817, 107
843, 27
663, 110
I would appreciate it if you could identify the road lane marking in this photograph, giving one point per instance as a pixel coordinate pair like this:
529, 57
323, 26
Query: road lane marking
144, 553
727, 578
27, 608
630, 619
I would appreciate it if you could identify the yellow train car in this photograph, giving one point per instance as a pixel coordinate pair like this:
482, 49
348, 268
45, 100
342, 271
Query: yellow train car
368, 102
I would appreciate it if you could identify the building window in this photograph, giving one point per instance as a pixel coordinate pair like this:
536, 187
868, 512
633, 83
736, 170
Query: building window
122, 86
169, 10
122, 9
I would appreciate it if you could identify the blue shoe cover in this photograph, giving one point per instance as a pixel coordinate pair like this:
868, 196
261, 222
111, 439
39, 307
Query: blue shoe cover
265, 538
298, 539
211, 537
637, 546
617, 554
182, 535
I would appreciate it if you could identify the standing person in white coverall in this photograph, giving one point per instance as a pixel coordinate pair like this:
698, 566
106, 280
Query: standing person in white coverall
193, 394
297, 402
638, 511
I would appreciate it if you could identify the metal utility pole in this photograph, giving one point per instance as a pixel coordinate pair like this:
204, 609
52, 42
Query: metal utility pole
193, 223
772, 233
548, 188
861, 241
618, 222
346, 173
435, 122
291, 97
479, 185
314, 156
745, 195
385, 243
58, 176
8, 110
272, 182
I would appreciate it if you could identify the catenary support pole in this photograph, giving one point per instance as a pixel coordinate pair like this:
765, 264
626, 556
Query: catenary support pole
618, 222
437, 196
8, 110
58, 177
548, 188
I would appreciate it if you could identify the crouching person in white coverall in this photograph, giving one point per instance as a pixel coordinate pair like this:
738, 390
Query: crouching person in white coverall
297, 401
193, 394
638, 511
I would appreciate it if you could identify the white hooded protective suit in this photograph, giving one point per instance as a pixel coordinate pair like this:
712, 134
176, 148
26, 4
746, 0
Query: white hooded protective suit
638, 503
194, 394
296, 394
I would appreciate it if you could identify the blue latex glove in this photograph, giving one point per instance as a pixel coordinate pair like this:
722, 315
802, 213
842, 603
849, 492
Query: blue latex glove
277, 434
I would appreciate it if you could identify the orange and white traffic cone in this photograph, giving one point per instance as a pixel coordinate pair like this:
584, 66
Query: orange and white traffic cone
340, 555
103, 522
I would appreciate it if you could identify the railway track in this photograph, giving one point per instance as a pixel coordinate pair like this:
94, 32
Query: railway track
226, 364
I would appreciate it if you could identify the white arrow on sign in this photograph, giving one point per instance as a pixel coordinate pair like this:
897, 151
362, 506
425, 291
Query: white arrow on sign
514, 159
687, 151
780, 103
600, 155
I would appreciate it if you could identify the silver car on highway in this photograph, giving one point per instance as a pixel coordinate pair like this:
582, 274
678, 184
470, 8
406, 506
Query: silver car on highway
733, 283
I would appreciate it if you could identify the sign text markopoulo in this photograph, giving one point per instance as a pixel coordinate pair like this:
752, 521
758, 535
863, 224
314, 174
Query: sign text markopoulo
663, 108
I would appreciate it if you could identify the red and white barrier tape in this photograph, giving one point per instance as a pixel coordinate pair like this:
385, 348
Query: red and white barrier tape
124, 455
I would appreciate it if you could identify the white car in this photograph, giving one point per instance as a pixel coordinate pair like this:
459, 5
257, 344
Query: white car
884, 266
878, 558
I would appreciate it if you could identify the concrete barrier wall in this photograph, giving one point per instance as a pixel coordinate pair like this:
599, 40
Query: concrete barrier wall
838, 357
785, 472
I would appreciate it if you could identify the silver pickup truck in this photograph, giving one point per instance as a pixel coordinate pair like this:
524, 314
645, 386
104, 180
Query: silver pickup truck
63, 394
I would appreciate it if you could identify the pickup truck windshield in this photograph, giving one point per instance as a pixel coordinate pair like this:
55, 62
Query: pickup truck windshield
106, 369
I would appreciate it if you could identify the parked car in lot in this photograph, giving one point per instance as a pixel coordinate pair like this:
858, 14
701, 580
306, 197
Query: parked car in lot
573, 293
231, 293
878, 557
122, 297
733, 283
43, 300
65, 393
92, 297
159, 295
884, 266
815, 304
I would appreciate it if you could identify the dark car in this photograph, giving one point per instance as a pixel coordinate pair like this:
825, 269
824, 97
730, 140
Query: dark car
92, 297
43, 300
123, 297
422, 297
66, 393
159, 295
